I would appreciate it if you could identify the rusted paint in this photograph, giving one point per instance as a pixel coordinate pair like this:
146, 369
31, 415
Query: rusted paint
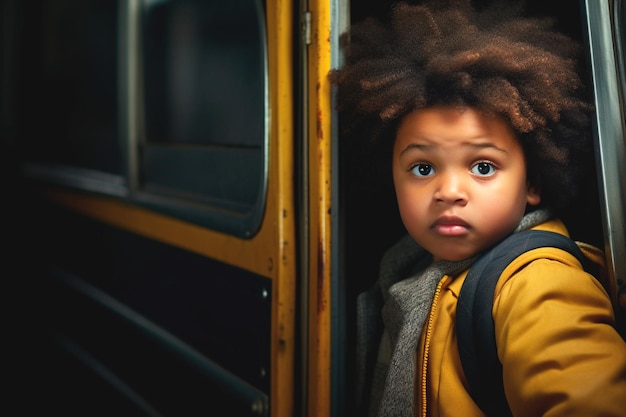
321, 255
285, 256
320, 119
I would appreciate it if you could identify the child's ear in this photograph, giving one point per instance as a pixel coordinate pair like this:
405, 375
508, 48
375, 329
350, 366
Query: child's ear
533, 193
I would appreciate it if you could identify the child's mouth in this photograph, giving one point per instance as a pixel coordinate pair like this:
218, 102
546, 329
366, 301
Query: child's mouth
451, 226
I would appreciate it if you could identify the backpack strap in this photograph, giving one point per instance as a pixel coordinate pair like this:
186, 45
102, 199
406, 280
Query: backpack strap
474, 321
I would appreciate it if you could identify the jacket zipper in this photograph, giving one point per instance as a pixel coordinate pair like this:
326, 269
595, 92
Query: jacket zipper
431, 318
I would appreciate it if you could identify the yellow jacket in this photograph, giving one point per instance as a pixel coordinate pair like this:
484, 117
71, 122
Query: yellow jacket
553, 325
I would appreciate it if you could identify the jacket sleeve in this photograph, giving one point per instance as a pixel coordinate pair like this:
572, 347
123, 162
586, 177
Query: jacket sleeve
560, 353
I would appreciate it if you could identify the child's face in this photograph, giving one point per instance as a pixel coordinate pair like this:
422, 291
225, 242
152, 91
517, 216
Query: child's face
460, 180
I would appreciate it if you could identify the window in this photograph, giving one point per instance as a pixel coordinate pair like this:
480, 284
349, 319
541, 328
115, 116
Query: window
205, 107
160, 102
619, 14
66, 91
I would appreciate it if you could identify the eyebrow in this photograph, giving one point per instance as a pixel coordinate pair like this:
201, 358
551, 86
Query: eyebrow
426, 148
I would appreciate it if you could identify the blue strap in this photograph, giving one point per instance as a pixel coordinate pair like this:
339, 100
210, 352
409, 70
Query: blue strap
474, 322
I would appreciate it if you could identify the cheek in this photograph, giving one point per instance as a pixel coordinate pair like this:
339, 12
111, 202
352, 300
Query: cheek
411, 205
519, 200
507, 209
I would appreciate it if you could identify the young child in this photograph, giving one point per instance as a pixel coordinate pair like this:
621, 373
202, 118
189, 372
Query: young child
486, 122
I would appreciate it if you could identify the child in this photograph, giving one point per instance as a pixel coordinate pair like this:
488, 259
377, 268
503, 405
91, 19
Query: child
486, 125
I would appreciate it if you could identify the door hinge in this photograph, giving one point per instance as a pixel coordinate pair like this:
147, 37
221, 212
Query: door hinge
306, 28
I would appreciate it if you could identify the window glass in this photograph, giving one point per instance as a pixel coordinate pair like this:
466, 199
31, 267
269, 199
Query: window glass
66, 94
620, 17
204, 103
204, 70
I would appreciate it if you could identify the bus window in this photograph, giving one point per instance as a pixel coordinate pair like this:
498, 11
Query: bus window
205, 105
620, 30
65, 92
161, 103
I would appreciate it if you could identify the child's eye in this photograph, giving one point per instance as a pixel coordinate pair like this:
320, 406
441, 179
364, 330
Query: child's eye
484, 169
422, 170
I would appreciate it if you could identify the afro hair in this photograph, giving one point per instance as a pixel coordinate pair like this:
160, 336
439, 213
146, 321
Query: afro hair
494, 60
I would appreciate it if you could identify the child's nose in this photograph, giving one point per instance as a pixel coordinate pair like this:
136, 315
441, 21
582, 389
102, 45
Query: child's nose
451, 188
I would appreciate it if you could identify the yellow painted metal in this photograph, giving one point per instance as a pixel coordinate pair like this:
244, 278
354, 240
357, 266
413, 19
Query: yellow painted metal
319, 58
271, 252
280, 40
255, 255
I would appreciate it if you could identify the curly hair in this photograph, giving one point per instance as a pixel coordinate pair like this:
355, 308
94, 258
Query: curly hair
494, 59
